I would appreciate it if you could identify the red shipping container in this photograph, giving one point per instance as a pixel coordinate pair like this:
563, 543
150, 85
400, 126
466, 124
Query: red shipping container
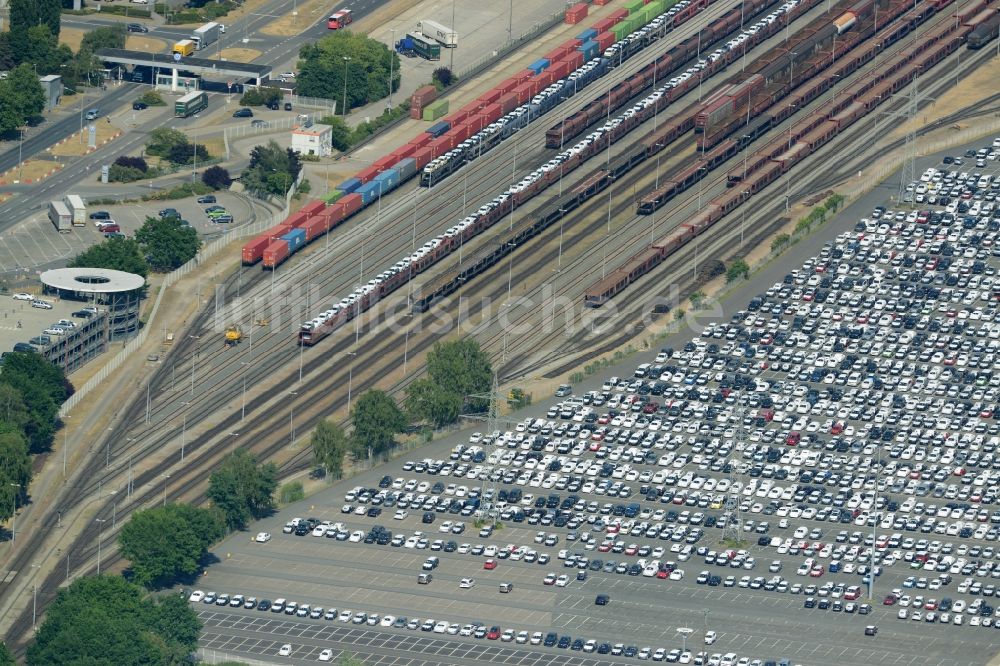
367, 174
314, 207
508, 85
316, 226
423, 95
351, 204
297, 219
545, 79
404, 151
604, 24
508, 102
604, 40
472, 108
275, 253
559, 70
523, 76
459, 133
254, 250
384, 163
490, 113
423, 156
421, 140
576, 13
574, 59
456, 118
474, 124
416, 113
601, 3
524, 92
618, 15
490, 96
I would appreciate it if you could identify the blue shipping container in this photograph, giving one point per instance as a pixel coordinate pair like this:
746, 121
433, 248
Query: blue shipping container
587, 34
406, 168
295, 238
538, 65
589, 49
349, 185
369, 191
388, 179
437, 129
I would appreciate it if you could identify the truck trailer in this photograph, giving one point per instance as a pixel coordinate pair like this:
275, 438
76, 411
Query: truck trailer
447, 37
185, 47
60, 217
206, 35
77, 209
418, 45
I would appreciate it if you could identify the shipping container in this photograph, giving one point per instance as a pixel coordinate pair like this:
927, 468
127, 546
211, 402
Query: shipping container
384, 162
559, 70
576, 14
388, 180
634, 5
295, 238
437, 129
406, 150
604, 40
421, 140
351, 204
618, 15
490, 96
508, 103
316, 226
332, 196
416, 113
601, 3
423, 156
524, 75
604, 24
587, 34
524, 92
575, 59
589, 50
491, 113
254, 250
297, 219
538, 66
406, 167
436, 109
369, 192
275, 253
845, 22
509, 84
366, 174
424, 95
456, 118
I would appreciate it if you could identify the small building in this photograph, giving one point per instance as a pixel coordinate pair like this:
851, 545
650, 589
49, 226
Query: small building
312, 139
53, 86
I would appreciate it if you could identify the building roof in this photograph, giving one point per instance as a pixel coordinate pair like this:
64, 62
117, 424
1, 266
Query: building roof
92, 280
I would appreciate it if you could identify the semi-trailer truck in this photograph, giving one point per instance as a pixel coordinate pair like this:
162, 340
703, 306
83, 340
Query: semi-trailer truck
206, 35
445, 36
419, 45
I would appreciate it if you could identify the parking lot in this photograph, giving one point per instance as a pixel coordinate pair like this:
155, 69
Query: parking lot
35, 243
19, 321
849, 412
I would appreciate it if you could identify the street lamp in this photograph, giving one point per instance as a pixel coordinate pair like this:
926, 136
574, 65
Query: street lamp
13, 514
392, 55
350, 380
291, 418
165, 477
344, 105
34, 597
684, 632
100, 538
234, 435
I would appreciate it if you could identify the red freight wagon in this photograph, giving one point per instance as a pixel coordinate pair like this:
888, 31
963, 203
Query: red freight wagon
316, 226
490, 113
254, 250
605, 24
367, 174
508, 103
604, 40
313, 207
618, 15
524, 92
351, 204
423, 156
575, 59
524, 75
490, 96
559, 70
297, 219
508, 85
421, 140
275, 253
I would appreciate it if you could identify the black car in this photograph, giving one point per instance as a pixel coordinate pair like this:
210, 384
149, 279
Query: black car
604, 648
100, 215
428, 517
83, 314
602, 600
139, 106
274, 106
288, 106
386, 480
136, 27
208, 198
564, 642
243, 113
264, 604
577, 644
169, 212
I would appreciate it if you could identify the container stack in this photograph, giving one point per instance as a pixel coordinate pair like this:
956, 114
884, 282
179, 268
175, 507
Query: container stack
420, 99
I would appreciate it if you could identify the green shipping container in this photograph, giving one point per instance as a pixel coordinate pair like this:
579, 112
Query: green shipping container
621, 30
332, 196
656, 7
667, 4
436, 110
634, 5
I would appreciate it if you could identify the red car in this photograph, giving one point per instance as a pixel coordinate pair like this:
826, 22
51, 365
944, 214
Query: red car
890, 600
493, 633
490, 564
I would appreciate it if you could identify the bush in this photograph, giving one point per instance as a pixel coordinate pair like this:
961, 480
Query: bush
132, 163
151, 98
181, 191
185, 153
123, 174
217, 178
443, 76
779, 242
291, 492
738, 269
261, 96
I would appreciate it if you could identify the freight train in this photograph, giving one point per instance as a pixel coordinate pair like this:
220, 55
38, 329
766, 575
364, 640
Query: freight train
986, 27
858, 100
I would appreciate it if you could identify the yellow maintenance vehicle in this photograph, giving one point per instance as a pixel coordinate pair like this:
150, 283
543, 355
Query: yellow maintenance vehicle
233, 336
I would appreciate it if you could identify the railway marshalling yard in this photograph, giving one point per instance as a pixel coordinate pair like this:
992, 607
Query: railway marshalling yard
527, 312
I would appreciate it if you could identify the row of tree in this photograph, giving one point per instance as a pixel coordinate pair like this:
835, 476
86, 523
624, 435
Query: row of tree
160, 245
347, 63
272, 170
459, 376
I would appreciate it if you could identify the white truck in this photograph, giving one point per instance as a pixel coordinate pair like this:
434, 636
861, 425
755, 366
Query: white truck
439, 33
77, 209
206, 35
60, 217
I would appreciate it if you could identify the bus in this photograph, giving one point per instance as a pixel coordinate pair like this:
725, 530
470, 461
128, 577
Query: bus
339, 19
190, 104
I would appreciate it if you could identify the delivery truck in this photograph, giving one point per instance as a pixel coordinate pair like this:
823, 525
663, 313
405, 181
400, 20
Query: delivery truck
418, 45
60, 217
206, 35
185, 47
447, 37
77, 209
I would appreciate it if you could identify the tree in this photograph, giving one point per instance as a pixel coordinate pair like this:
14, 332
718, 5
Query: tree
163, 139
376, 419
461, 367
6, 658
341, 134
120, 254
21, 98
261, 96
217, 178
185, 153
28, 14
272, 170
738, 269
426, 401
42, 387
329, 444
242, 489
15, 467
168, 543
443, 76
106, 620
110, 37
166, 243
321, 69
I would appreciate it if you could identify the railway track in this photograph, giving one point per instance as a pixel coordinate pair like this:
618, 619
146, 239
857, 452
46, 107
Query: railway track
164, 418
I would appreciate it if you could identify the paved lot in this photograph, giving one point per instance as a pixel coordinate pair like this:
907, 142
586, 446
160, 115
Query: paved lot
950, 472
32, 320
35, 242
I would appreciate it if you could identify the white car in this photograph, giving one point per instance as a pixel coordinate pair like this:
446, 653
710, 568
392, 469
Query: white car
710, 637
562, 581
285, 650
21, 296
466, 583
326, 655
44, 305
196, 596
400, 514
262, 537
388, 620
